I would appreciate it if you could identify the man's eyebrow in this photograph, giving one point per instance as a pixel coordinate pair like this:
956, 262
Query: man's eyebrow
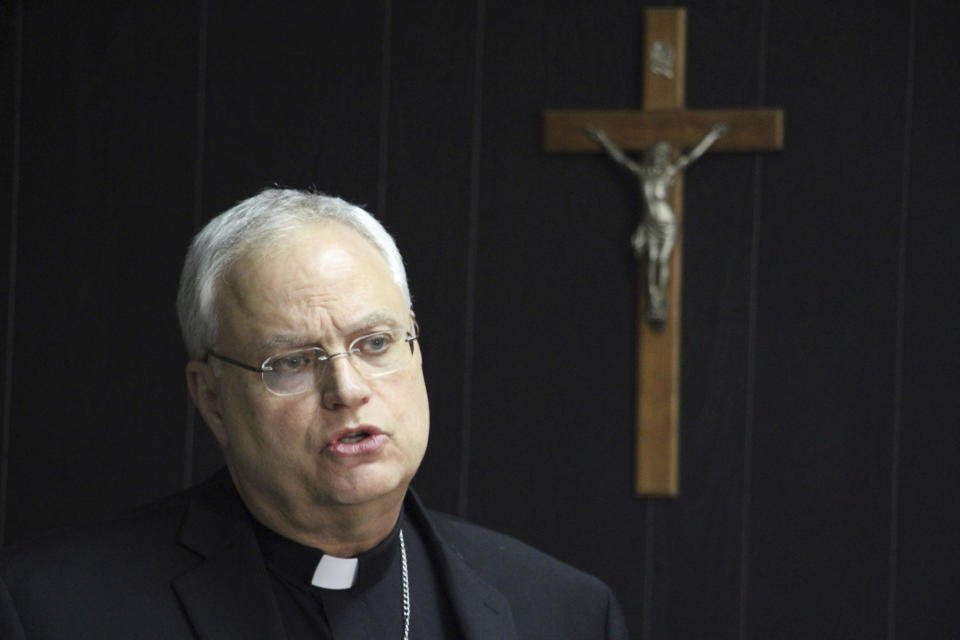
373, 319
365, 323
282, 340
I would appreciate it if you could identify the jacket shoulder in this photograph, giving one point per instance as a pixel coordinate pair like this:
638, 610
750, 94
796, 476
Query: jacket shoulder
101, 580
88, 549
140, 530
492, 553
548, 598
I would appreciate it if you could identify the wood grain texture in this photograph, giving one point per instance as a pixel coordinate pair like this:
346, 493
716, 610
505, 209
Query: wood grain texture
564, 131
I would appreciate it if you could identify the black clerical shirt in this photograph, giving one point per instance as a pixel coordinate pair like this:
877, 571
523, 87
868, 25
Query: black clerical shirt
373, 606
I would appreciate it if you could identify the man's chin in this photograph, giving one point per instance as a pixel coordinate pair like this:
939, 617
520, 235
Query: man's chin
366, 485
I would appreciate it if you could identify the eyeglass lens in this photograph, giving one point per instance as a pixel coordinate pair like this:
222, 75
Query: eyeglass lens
373, 355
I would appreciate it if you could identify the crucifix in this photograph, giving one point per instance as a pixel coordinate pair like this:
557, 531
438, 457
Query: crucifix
663, 120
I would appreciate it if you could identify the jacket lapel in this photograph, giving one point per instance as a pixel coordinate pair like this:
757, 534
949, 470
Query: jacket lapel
481, 610
228, 595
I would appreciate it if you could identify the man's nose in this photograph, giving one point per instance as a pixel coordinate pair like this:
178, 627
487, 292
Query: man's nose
342, 386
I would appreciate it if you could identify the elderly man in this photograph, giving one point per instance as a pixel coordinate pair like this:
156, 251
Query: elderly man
306, 366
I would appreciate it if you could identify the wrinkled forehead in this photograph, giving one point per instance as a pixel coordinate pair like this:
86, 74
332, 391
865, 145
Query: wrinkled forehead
323, 258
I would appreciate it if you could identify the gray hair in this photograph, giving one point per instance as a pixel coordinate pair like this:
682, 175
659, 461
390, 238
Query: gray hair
261, 219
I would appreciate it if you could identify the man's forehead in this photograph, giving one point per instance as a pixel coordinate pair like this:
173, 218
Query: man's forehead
327, 232
325, 282
336, 242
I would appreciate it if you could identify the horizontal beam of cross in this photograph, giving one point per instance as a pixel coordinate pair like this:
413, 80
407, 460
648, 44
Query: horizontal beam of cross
748, 129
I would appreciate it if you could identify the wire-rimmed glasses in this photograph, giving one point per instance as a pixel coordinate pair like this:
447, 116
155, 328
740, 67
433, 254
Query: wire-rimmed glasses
294, 372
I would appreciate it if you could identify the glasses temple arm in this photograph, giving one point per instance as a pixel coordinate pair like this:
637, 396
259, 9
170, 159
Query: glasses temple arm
235, 363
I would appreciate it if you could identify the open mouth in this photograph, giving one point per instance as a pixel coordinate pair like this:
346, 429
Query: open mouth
353, 438
360, 440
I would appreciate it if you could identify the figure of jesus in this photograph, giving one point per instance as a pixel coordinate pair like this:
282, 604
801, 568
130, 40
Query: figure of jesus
656, 233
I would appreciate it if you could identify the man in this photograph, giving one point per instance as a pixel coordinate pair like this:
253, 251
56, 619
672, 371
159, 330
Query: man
306, 366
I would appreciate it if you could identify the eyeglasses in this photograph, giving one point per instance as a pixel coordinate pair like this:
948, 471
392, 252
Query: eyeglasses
294, 372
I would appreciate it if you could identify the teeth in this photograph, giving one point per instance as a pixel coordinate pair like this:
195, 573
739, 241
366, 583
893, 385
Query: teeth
353, 438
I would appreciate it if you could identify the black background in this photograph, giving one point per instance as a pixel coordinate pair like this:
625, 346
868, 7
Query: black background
820, 371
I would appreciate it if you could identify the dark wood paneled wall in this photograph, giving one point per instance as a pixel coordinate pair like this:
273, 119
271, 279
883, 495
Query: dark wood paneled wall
821, 355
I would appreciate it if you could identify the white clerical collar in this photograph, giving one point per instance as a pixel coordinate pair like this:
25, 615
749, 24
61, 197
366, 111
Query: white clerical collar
335, 573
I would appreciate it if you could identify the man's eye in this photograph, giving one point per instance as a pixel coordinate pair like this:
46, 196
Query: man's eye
293, 363
377, 343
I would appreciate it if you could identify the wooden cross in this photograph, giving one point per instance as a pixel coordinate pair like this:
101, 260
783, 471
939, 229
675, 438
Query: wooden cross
663, 118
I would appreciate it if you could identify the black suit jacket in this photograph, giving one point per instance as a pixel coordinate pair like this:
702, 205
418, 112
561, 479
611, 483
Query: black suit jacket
190, 567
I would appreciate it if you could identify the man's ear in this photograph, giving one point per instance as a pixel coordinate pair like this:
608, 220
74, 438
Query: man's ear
204, 386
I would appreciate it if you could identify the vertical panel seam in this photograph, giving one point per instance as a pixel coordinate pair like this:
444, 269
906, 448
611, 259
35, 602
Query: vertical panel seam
751, 346
12, 274
646, 602
190, 429
901, 309
383, 160
473, 216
